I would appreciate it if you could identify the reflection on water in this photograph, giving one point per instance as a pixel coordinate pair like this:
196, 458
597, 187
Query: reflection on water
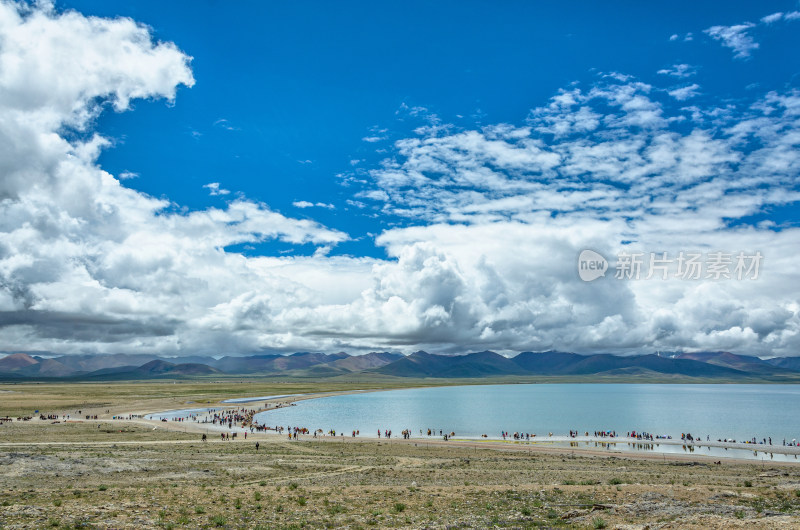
689, 449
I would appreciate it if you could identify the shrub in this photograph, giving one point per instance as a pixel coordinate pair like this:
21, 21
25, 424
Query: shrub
218, 520
598, 523
614, 481
399, 507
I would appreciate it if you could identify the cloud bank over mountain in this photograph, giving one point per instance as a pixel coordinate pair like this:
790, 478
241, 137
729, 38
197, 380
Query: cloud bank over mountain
493, 219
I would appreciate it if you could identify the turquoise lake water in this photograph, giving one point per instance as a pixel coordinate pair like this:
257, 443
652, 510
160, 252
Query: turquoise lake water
721, 411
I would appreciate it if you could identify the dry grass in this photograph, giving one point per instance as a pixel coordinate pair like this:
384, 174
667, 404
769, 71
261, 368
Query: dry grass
104, 474
119, 397
172, 480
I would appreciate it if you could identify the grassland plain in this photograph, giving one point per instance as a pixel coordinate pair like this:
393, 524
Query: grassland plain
112, 474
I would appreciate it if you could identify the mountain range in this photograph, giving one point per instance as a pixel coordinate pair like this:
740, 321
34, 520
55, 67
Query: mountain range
706, 365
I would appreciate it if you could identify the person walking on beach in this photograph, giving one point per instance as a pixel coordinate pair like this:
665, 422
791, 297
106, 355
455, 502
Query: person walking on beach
256, 447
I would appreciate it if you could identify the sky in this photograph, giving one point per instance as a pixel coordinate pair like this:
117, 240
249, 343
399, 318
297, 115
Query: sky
223, 178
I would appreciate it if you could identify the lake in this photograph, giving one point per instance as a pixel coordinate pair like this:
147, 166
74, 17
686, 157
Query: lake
720, 411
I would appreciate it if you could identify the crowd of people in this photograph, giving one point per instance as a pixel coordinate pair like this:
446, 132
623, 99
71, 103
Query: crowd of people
244, 418
516, 435
648, 436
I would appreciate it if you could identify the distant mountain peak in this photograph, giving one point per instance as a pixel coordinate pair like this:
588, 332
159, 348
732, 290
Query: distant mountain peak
16, 361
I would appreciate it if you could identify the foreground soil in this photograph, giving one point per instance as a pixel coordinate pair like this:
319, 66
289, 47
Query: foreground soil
106, 474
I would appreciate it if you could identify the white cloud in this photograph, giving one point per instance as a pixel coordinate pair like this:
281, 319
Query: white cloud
223, 123
214, 189
679, 70
496, 219
509, 211
87, 264
307, 204
774, 17
738, 37
735, 37
377, 134
685, 92
127, 175
686, 38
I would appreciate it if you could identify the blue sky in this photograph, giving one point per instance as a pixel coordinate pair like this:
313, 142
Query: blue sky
209, 177
286, 92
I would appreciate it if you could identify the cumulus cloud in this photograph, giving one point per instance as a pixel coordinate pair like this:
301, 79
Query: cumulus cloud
87, 264
495, 219
511, 207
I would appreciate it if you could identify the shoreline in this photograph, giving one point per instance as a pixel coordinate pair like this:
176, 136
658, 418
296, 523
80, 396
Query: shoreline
82, 475
603, 445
